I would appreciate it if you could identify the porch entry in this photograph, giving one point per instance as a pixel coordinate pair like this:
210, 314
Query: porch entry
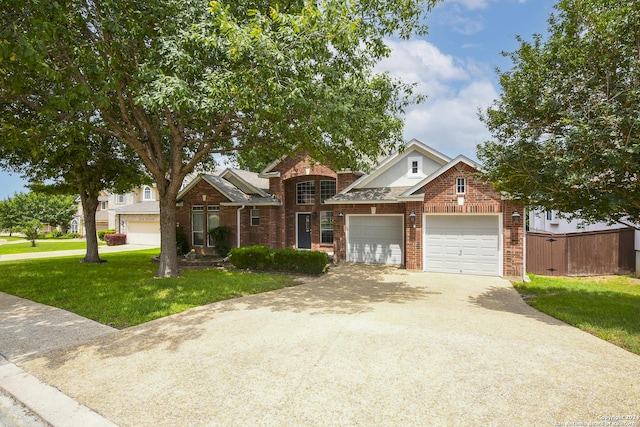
304, 231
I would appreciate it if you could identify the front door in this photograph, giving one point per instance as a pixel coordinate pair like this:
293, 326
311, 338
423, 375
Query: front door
304, 231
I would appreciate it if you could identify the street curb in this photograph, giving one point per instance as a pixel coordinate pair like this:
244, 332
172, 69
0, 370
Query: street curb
48, 403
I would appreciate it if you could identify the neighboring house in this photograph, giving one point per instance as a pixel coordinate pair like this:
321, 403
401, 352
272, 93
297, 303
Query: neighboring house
102, 215
137, 214
576, 247
417, 208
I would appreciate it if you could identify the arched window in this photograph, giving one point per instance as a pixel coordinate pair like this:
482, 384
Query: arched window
147, 193
73, 228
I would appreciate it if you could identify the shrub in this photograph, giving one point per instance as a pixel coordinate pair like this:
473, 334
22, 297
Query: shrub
253, 257
71, 236
115, 239
101, 233
220, 237
309, 262
182, 243
291, 260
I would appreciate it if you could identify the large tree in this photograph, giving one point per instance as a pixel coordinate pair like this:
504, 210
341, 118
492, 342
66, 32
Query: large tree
567, 125
179, 81
65, 157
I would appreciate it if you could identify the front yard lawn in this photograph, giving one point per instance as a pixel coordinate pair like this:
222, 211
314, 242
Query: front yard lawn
123, 291
607, 307
43, 246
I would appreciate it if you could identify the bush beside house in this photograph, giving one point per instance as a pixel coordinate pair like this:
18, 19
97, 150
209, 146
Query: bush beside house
290, 260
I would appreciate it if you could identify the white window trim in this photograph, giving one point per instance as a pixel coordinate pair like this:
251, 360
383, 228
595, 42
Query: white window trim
326, 228
256, 216
120, 199
464, 186
314, 193
335, 186
144, 193
419, 173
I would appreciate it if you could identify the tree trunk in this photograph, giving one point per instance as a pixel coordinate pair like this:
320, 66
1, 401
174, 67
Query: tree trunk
89, 208
168, 250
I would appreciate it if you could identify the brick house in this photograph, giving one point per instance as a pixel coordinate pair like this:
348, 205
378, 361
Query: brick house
417, 208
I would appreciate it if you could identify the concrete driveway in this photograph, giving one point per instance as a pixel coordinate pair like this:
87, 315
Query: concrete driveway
363, 345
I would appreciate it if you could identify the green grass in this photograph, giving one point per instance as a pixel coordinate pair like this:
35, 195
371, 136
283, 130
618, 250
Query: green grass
42, 246
11, 238
123, 291
607, 307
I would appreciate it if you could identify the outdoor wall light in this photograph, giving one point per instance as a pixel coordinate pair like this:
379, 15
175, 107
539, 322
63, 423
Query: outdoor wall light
340, 214
515, 217
412, 217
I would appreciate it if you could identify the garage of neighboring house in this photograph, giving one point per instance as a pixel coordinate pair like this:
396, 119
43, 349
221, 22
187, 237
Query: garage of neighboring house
376, 239
143, 233
462, 244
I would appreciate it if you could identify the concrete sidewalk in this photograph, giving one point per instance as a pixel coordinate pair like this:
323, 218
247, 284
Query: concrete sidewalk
29, 329
362, 345
75, 252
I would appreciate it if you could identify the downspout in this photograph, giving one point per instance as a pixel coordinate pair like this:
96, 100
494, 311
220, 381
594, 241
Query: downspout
238, 225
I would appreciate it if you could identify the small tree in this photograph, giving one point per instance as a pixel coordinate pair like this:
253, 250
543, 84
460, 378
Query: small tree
220, 237
31, 230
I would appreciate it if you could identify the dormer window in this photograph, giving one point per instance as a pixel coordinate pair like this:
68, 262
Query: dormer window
415, 167
146, 195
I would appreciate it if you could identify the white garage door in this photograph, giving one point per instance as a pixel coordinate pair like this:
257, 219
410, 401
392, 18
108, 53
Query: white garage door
374, 239
143, 233
462, 244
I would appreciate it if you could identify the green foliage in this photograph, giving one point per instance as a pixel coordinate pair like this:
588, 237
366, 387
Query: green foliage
226, 78
101, 233
567, 125
71, 236
220, 236
31, 230
263, 258
55, 210
607, 307
128, 295
182, 243
44, 246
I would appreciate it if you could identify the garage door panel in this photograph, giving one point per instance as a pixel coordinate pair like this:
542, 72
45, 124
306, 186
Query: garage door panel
143, 233
464, 244
375, 239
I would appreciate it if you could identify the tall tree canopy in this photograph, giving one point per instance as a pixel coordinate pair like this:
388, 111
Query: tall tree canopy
181, 80
67, 157
567, 125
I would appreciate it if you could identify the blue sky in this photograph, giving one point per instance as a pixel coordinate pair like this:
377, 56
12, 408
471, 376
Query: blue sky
454, 65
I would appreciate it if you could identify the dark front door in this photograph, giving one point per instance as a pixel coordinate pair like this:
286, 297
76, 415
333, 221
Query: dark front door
304, 231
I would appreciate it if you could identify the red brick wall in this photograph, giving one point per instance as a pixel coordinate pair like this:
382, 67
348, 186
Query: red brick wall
480, 197
212, 198
345, 179
339, 235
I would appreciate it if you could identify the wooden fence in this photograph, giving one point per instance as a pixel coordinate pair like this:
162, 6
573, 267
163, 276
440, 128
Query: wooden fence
581, 254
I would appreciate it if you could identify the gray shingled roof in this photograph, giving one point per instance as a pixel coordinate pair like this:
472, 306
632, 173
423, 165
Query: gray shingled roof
152, 207
235, 195
372, 195
252, 178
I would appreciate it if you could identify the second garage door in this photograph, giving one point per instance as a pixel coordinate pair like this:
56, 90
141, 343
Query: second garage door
462, 244
375, 239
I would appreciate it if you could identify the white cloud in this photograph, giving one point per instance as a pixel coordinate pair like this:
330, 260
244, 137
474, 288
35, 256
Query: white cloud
472, 4
448, 119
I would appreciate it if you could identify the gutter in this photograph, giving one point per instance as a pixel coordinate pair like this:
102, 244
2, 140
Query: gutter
238, 225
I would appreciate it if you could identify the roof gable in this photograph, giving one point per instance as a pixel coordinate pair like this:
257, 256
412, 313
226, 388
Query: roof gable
393, 171
417, 189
